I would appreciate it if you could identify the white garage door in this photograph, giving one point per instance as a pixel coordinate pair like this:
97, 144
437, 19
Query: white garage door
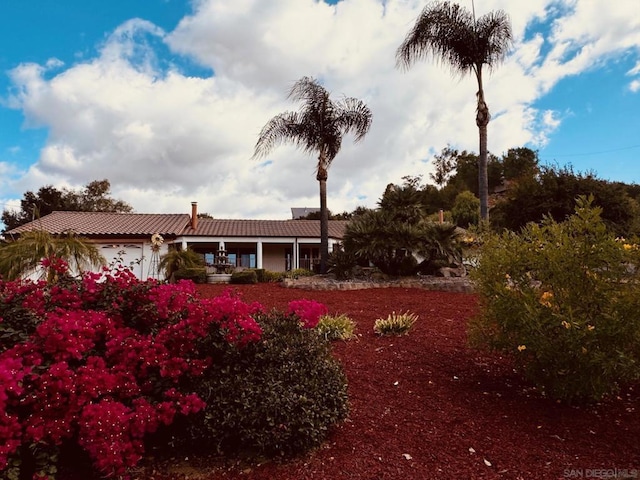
129, 255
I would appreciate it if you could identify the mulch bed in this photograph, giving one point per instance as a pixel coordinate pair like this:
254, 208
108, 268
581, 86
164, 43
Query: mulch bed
426, 406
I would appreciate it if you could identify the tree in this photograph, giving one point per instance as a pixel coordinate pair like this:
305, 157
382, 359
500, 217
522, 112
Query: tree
444, 164
317, 128
553, 192
95, 197
453, 35
519, 163
465, 210
21, 258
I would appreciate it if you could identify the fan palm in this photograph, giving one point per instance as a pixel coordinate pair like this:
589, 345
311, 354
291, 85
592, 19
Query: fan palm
317, 128
452, 34
22, 257
175, 260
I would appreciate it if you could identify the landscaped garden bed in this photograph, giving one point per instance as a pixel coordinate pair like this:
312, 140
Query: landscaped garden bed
426, 406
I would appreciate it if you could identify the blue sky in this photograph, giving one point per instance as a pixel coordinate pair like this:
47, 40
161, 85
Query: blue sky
165, 98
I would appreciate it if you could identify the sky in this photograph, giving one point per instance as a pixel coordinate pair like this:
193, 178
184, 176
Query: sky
166, 98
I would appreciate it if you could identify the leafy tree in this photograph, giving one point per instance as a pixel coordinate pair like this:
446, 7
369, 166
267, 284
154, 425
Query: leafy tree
554, 191
466, 209
466, 172
519, 163
95, 197
454, 36
22, 257
444, 164
318, 127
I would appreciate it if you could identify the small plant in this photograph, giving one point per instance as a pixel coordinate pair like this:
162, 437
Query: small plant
395, 324
336, 327
299, 272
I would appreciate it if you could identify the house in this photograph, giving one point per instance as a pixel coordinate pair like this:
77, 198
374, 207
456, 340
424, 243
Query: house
276, 245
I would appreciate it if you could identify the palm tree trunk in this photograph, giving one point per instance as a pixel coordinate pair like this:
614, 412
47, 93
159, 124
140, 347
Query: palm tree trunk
482, 120
324, 218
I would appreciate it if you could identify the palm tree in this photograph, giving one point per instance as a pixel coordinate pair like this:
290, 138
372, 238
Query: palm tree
318, 127
452, 34
22, 257
175, 260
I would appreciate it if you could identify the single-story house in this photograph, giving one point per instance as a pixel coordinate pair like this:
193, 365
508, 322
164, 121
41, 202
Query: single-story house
276, 245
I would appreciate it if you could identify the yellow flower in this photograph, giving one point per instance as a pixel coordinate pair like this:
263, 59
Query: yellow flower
566, 324
627, 246
546, 298
522, 347
590, 327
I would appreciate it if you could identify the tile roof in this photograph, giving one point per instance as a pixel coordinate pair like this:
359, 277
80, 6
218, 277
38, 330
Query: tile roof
209, 227
105, 223
96, 224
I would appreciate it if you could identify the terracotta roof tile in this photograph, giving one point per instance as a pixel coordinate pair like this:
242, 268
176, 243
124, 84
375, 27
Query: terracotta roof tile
103, 223
208, 227
96, 224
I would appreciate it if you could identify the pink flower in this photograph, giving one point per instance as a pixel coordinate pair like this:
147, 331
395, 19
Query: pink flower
309, 311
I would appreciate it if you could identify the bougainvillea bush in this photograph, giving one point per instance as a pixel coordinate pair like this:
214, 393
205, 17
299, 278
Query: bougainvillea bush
99, 362
564, 300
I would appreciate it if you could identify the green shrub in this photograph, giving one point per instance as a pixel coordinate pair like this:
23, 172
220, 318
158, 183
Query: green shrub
278, 396
342, 264
195, 274
395, 324
244, 277
260, 274
299, 272
336, 327
272, 277
176, 260
564, 300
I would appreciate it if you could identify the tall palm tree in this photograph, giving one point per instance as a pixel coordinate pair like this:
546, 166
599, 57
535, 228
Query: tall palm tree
452, 35
317, 128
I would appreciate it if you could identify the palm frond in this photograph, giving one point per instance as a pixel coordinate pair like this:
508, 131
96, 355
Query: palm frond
22, 258
450, 34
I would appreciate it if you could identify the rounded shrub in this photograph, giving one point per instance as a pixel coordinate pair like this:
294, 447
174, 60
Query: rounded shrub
564, 300
195, 274
245, 277
276, 397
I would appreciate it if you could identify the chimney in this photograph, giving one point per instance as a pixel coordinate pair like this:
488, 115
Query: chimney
194, 215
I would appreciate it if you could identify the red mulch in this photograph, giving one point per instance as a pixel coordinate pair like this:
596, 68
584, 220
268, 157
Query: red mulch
426, 406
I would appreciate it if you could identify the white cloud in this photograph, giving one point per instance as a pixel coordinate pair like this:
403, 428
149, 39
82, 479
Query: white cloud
165, 139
